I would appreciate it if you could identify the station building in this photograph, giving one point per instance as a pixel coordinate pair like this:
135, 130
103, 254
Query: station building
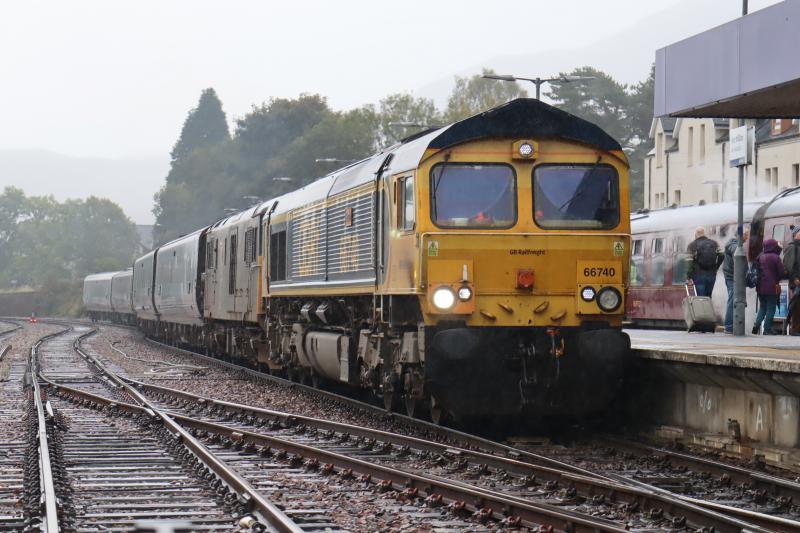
688, 164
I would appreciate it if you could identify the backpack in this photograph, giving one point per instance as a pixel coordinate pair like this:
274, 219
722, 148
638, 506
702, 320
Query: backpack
753, 273
706, 254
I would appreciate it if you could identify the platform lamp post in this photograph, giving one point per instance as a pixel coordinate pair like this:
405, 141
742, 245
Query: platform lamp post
744, 138
537, 81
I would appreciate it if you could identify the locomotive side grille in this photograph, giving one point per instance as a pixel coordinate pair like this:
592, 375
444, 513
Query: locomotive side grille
307, 231
351, 248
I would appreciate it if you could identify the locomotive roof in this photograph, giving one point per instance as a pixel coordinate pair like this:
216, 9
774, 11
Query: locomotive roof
101, 276
520, 118
689, 217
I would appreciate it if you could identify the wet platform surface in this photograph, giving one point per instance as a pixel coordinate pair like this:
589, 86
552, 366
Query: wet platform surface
776, 353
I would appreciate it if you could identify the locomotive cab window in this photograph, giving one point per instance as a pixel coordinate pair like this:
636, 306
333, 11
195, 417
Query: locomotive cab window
406, 208
576, 196
472, 195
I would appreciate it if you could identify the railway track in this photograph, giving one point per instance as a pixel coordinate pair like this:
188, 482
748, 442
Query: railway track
17, 442
324, 441
498, 486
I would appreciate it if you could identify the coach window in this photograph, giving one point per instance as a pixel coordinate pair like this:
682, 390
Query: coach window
657, 261
779, 233
680, 261
576, 196
467, 195
637, 263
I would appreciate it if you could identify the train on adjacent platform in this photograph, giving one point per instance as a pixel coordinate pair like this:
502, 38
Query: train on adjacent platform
475, 270
660, 262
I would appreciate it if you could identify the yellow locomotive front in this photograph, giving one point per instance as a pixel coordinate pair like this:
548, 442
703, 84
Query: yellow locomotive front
520, 268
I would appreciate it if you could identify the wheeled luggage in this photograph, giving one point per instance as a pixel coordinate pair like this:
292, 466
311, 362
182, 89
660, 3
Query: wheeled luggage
698, 312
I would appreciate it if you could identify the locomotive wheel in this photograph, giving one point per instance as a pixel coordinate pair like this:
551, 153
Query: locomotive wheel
413, 406
438, 413
390, 401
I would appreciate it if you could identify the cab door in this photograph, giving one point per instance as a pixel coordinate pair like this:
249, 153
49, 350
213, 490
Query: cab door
234, 295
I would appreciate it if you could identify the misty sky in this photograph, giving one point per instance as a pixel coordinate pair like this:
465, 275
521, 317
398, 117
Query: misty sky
115, 79
112, 78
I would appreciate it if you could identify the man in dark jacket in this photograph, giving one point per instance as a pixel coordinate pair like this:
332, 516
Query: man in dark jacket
706, 259
791, 262
770, 274
727, 271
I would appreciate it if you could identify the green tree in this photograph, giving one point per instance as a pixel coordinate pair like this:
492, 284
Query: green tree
52, 246
401, 114
476, 93
602, 101
205, 125
624, 112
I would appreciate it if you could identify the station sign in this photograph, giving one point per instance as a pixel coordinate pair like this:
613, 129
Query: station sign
742, 140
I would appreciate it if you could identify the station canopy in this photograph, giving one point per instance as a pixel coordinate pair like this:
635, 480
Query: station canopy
747, 68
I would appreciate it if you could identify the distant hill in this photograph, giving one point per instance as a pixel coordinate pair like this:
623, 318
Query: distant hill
130, 182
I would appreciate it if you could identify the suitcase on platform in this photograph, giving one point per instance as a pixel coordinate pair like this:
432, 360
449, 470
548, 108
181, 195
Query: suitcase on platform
698, 312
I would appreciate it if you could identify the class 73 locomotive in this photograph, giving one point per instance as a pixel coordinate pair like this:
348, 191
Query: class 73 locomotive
474, 270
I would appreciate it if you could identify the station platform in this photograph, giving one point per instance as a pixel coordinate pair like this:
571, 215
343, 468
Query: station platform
772, 353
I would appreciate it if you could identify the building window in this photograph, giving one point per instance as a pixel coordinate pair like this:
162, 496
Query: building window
715, 194
776, 126
690, 153
677, 196
796, 175
702, 153
774, 179
768, 178
659, 149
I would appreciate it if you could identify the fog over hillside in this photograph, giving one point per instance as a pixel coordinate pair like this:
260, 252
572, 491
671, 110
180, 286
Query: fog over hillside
626, 55
130, 182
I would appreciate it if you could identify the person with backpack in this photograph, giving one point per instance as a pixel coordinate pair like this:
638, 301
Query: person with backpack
768, 288
791, 262
727, 272
706, 259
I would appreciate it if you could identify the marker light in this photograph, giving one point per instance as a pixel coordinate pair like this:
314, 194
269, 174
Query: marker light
588, 294
608, 299
525, 149
464, 294
443, 298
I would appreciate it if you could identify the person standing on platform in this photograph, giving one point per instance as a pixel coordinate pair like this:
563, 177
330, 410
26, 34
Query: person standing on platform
770, 274
706, 259
791, 262
727, 271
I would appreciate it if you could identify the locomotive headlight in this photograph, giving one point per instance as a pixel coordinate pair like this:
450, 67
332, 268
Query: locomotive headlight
608, 299
525, 149
464, 294
588, 294
443, 298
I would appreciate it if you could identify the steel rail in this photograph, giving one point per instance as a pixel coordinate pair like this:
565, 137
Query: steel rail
465, 439
775, 485
616, 487
481, 498
587, 485
50, 522
721, 511
769, 522
264, 509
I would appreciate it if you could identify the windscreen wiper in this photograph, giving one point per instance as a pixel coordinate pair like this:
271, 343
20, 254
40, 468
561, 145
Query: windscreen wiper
436, 181
583, 187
